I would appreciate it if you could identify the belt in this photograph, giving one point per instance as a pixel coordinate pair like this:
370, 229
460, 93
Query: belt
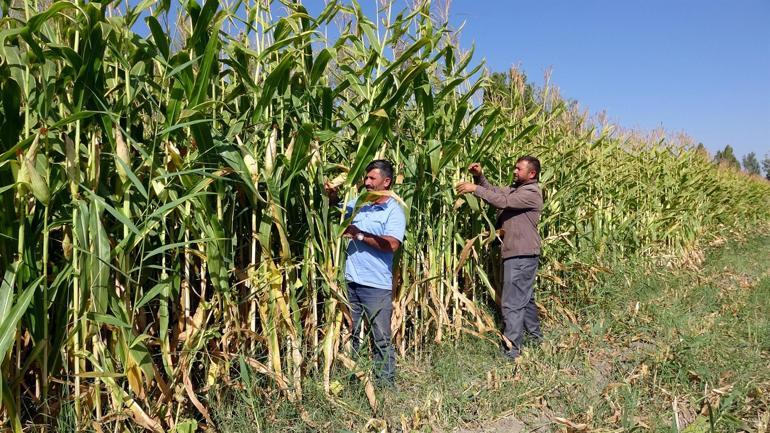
526, 256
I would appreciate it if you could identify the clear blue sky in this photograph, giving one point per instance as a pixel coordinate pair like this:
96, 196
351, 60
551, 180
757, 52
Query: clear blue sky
702, 67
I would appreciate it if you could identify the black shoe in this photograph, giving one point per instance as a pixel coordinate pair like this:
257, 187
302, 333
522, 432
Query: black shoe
510, 354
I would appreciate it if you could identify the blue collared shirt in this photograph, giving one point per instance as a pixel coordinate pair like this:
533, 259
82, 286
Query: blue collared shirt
366, 265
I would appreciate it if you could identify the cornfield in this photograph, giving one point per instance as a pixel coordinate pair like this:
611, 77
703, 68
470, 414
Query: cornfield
162, 216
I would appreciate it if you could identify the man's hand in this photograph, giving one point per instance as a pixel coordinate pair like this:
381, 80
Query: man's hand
330, 191
475, 169
465, 187
382, 243
351, 231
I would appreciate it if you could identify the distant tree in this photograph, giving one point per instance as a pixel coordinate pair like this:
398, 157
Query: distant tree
751, 164
701, 150
727, 157
766, 166
510, 89
497, 88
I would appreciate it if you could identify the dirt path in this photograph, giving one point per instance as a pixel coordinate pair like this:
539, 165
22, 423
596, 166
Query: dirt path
545, 421
507, 424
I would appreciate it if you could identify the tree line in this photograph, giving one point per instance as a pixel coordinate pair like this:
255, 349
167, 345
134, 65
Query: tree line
749, 163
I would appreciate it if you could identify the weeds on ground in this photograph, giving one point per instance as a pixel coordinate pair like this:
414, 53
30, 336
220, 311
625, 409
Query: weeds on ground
684, 350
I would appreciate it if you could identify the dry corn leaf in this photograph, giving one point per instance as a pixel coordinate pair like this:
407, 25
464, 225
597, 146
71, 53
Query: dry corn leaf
194, 398
368, 386
571, 426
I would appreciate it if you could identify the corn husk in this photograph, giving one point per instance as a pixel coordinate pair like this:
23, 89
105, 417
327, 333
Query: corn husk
338, 180
22, 178
271, 150
315, 153
173, 156
159, 187
37, 184
71, 165
94, 161
252, 166
32, 151
251, 163
290, 148
121, 155
66, 244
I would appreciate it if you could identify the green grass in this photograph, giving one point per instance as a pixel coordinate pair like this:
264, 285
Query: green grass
695, 339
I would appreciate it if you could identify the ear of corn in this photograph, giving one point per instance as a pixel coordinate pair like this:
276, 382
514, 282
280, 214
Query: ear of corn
206, 233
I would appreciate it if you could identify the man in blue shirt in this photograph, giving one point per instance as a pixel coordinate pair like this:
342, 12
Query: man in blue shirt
375, 232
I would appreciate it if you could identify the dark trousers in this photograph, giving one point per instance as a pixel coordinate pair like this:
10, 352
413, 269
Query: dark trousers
375, 305
518, 301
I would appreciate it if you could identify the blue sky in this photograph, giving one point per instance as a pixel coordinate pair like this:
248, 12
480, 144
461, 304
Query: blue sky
701, 67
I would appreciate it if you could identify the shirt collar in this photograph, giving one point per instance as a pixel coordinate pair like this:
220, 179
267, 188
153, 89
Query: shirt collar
529, 182
383, 205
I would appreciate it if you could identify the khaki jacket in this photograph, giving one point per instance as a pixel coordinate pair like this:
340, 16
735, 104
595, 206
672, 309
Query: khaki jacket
519, 208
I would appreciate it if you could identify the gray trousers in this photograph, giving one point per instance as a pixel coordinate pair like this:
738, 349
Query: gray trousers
518, 301
374, 305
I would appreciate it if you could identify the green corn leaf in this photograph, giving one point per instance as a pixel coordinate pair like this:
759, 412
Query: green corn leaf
6, 289
158, 36
38, 20
319, 65
153, 293
406, 55
118, 214
107, 319
81, 115
133, 178
202, 79
100, 261
10, 321
9, 403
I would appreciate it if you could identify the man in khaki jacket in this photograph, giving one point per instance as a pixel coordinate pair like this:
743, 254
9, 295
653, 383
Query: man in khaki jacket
519, 207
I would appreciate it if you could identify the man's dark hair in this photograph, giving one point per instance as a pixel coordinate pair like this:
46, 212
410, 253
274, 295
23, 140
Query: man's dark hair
385, 167
533, 162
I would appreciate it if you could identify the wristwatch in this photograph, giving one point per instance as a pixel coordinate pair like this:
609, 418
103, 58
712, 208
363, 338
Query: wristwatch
360, 236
